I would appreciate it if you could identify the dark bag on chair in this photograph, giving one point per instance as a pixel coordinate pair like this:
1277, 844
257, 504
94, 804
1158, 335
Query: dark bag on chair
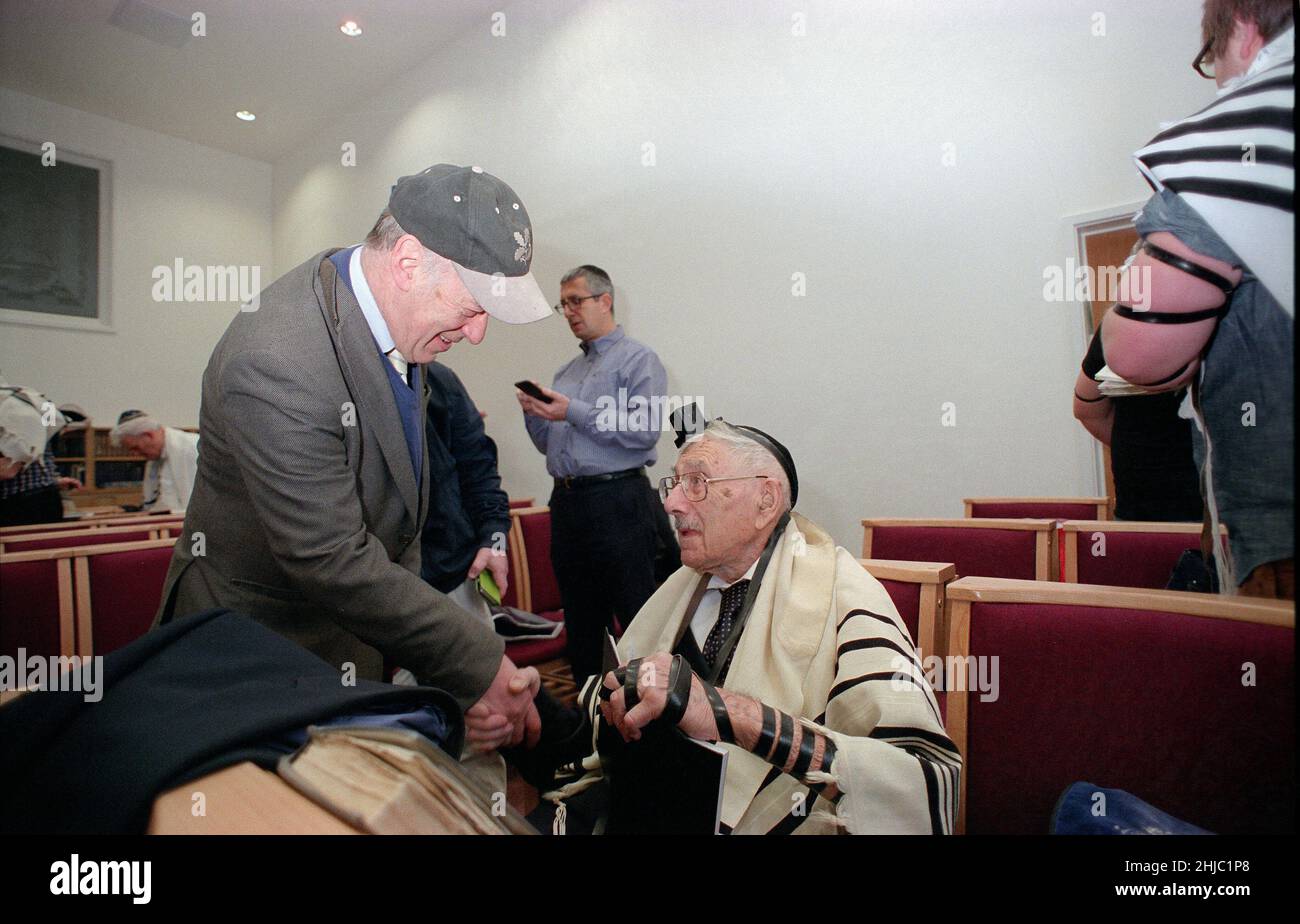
1192, 573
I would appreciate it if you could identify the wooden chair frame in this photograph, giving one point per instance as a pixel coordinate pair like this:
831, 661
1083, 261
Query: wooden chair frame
1045, 557
9, 533
519, 556
932, 576
962, 593
155, 530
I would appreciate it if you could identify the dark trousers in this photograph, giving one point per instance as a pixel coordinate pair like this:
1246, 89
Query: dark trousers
44, 505
604, 538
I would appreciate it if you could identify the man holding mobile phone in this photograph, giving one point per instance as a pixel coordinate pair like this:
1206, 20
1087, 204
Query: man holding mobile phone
605, 516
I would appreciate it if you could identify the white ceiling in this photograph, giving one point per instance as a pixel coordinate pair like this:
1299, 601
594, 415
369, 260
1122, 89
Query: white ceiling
285, 60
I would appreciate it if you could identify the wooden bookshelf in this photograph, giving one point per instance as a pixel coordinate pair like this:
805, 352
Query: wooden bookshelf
81, 450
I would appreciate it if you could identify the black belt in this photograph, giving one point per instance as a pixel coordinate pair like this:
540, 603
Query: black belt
581, 481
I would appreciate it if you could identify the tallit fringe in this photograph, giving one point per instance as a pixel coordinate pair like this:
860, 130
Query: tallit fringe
593, 776
1222, 557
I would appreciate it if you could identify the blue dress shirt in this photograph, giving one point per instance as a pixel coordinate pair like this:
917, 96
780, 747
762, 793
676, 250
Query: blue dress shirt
604, 431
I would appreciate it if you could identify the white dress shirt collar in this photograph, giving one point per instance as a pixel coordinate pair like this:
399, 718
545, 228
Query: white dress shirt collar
717, 583
369, 307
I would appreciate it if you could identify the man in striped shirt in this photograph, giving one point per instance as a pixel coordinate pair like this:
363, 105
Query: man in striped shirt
1218, 243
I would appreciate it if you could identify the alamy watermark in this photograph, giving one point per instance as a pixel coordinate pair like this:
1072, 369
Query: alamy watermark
55, 673
1129, 285
639, 413
76, 876
953, 674
194, 282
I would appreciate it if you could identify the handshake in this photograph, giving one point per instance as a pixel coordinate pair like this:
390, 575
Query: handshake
505, 716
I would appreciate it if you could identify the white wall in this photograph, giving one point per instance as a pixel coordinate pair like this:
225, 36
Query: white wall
777, 154
170, 198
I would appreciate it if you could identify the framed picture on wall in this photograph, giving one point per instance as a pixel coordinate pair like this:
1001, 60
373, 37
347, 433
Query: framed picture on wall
54, 236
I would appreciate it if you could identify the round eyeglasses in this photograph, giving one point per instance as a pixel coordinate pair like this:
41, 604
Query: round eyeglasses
695, 485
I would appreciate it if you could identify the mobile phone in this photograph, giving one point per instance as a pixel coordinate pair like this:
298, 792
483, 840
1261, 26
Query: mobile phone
533, 391
487, 586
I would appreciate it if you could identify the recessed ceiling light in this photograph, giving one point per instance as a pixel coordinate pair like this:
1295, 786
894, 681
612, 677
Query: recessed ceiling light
350, 29
245, 115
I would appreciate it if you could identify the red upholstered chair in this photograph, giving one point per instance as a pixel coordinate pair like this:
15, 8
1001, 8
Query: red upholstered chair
118, 589
36, 610
1055, 508
1125, 553
539, 591
1006, 548
1184, 700
520, 503
32, 542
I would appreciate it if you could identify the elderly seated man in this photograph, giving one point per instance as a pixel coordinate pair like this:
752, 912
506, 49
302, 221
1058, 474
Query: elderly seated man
173, 456
778, 644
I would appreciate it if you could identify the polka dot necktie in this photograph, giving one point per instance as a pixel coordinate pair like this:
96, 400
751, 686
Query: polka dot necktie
728, 610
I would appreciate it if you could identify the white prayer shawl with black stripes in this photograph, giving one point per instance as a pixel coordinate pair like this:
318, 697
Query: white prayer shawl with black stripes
823, 642
1234, 163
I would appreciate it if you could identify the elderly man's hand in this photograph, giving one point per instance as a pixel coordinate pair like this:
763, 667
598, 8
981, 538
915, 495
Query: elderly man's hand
505, 715
652, 691
556, 410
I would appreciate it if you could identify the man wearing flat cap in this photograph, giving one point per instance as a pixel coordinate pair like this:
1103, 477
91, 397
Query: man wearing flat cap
173, 456
313, 484
777, 644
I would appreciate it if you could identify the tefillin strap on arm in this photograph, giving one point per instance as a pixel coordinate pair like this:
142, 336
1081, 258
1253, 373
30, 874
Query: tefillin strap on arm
1092, 364
1180, 317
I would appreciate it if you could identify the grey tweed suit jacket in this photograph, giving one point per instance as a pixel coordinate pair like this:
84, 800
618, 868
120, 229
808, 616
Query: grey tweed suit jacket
306, 513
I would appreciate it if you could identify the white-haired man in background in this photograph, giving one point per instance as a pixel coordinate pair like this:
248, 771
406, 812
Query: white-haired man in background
173, 456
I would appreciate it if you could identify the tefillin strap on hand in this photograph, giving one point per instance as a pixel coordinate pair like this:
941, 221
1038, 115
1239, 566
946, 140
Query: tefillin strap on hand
679, 691
630, 677
679, 688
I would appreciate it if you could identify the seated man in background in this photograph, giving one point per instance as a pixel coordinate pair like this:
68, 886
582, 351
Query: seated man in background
29, 478
820, 692
173, 459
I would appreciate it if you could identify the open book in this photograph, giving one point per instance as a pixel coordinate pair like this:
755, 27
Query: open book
387, 781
